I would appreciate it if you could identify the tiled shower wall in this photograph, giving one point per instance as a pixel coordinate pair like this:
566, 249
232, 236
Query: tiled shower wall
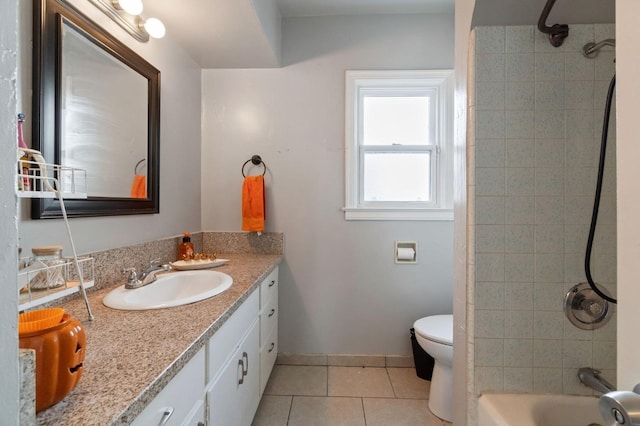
537, 116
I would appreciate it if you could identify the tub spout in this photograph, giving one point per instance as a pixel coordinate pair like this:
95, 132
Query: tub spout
591, 377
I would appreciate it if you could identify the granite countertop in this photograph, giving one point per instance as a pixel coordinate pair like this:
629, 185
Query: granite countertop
132, 355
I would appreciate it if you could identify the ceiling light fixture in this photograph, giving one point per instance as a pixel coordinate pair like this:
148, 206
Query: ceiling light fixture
126, 13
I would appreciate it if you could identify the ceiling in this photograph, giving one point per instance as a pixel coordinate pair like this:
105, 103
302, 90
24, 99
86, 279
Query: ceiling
246, 33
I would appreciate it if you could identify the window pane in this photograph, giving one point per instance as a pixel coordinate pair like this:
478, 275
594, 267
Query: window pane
395, 120
397, 176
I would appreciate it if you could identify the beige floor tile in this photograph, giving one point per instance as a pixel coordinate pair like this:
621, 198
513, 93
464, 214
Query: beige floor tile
331, 411
359, 381
406, 384
398, 412
356, 360
273, 411
297, 380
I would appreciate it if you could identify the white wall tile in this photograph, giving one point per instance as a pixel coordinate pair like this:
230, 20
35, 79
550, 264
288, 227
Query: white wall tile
549, 95
490, 39
490, 239
520, 39
519, 210
490, 210
490, 125
577, 67
549, 267
520, 153
520, 67
489, 379
519, 297
549, 210
489, 352
518, 267
549, 152
576, 353
549, 296
490, 67
490, 153
518, 352
580, 152
518, 325
489, 323
548, 325
550, 181
489, 267
549, 66
547, 380
519, 238
577, 94
520, 181
490, 181
549, 124
519, 124
547, 353
489, 295
490, 95
549, 239
518, 379
519, 95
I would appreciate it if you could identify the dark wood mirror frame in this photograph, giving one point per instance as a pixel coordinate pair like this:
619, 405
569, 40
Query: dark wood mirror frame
47, 40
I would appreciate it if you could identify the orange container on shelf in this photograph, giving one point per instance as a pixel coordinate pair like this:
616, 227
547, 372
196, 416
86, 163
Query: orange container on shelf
38, 320
60, 352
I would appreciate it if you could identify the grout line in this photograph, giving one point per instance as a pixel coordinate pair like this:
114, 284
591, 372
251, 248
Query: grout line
393, 389
290, 409
364, 414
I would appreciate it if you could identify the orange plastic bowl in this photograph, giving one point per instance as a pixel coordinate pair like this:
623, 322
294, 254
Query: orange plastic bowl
38, 320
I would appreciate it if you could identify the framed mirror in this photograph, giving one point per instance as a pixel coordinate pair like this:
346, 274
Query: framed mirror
96, 106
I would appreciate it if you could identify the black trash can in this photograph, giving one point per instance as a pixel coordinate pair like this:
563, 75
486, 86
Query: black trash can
422, 360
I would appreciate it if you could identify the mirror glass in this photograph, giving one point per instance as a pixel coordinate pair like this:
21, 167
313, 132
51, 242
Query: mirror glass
103, 127
96, 106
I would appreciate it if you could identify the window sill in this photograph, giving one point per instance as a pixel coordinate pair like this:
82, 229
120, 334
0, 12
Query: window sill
351, 213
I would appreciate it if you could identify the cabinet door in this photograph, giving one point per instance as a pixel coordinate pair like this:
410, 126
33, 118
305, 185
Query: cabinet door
178, 400
233, 396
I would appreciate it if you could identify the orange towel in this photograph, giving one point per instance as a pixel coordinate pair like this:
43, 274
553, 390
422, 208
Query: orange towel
253, 206
139, 187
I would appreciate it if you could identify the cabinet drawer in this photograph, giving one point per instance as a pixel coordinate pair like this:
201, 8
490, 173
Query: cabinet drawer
223, 343
268, 354
179, 397
269, 288
268, 319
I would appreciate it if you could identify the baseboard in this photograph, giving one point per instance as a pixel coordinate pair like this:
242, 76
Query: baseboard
345, 360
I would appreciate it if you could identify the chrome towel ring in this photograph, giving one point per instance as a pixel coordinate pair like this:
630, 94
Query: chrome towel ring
255, 160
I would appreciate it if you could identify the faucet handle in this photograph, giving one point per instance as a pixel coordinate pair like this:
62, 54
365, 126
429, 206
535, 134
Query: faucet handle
155, 261
133, 276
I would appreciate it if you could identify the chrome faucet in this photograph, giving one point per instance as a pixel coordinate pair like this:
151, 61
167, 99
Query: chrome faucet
591, 377
146, 277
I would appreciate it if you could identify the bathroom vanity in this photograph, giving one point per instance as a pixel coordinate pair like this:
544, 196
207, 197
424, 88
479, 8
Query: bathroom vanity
206, 363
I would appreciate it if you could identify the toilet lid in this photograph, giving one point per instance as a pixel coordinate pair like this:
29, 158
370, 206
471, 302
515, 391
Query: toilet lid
438, 328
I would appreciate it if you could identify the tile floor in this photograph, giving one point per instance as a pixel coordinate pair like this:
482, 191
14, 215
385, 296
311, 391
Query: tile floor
345, 396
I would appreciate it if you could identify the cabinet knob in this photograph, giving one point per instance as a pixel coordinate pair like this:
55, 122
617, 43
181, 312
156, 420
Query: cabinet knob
273, 311
272, 283
273, 345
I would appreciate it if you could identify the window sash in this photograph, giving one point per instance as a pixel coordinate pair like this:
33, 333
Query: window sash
394, 149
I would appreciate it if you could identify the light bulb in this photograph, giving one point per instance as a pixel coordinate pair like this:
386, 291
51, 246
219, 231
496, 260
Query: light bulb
154, 27
132, 7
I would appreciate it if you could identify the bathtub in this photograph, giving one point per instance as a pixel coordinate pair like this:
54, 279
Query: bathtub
500, 409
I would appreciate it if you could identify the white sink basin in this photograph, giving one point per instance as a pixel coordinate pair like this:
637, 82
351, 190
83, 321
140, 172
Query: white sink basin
173, 289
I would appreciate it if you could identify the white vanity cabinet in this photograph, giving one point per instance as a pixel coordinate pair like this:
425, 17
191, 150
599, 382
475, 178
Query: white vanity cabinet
268, 326
181, 402
223, 383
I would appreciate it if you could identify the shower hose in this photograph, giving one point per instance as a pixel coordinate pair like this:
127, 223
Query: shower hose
596, 201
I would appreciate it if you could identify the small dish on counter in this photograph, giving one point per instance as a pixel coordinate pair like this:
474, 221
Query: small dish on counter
187, 265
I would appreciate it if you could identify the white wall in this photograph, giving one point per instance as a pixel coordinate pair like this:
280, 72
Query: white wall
179, 154
340, 289
628, 176
9, 394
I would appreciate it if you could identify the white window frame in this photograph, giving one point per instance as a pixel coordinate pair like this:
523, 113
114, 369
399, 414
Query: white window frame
440, 83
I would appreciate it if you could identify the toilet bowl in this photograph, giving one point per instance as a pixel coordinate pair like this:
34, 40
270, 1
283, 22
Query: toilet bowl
435, 335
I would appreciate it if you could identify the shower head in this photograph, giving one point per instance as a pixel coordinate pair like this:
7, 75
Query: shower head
591, 50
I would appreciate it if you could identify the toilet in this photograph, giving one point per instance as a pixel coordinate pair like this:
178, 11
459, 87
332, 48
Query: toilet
435, 335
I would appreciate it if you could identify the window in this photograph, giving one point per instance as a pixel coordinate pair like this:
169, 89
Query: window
399, 140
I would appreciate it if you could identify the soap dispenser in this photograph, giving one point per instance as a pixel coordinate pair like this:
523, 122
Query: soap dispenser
185, 249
